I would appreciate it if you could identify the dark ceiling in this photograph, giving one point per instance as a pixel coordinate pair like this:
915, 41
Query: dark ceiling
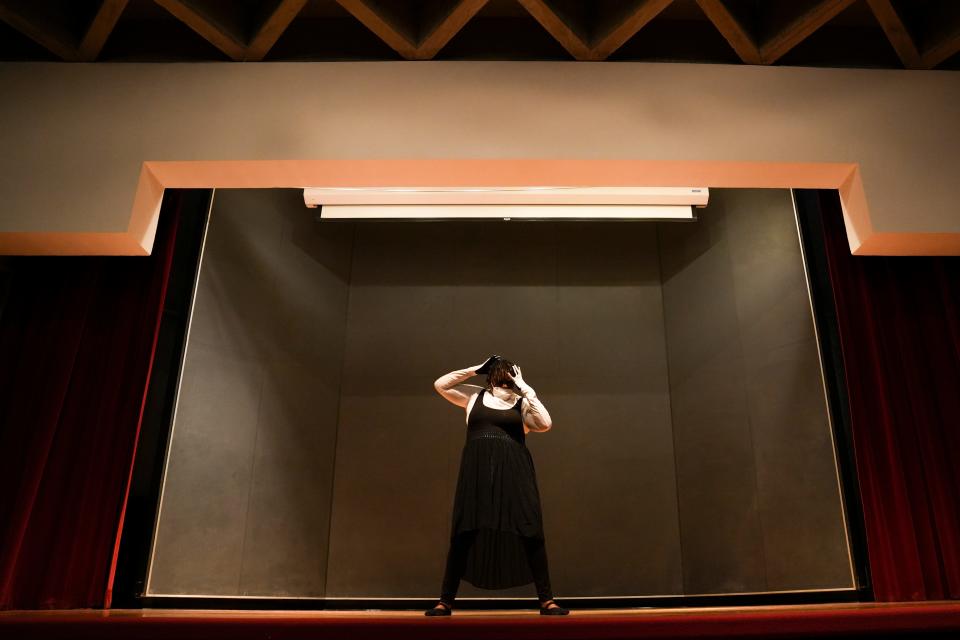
912, 34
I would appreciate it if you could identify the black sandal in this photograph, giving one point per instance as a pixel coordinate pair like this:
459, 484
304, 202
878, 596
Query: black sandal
442, 609
547, 610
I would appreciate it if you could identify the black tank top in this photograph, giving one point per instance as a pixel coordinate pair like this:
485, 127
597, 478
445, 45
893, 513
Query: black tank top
487, 422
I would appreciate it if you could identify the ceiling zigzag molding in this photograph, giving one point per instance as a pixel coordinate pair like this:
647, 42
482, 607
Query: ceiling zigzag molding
896, 32
269, 31
800, 29
392, 34
563, 32
390, 29
730, 28
59, 42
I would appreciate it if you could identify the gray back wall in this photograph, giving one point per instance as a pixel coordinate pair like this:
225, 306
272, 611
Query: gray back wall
311, 456
760, 508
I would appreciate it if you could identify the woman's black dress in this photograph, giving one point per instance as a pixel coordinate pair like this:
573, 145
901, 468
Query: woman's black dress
497, 497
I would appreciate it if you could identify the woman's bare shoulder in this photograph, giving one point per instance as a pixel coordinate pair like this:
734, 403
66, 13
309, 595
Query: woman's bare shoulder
474, 394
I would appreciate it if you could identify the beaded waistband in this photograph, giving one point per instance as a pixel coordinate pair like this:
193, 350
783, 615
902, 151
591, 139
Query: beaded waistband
503, 435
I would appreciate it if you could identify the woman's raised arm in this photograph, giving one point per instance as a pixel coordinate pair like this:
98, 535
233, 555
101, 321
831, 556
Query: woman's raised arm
450, 387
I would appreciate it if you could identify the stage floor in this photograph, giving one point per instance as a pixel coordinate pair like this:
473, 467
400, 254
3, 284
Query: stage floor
920, 619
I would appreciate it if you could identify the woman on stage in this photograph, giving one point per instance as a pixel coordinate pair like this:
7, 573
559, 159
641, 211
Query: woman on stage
496, 538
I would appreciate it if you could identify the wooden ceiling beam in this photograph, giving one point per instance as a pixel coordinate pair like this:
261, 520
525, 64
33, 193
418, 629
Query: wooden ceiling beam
459, 15
896, 32
556, 27
644, 12
20, 17
731, 29
210, 32
100, 29
448, 27
941, 51
56, 43
798, 30
272, 28
380, 27
566, 35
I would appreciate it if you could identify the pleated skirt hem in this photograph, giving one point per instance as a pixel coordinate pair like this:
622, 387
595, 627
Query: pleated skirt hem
497, 560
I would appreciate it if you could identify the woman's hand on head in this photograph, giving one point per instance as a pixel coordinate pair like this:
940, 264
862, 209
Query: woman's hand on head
485, 367
517, 378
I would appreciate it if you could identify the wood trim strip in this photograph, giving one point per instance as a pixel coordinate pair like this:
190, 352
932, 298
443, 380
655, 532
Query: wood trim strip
731, 29
941, 51
896, 32
100, 29
272, 28
200, 24
448, 28
380, 27
798, 30
556, 27
55, 44
646, 11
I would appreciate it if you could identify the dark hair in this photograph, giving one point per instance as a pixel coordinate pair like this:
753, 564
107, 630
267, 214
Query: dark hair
499, 373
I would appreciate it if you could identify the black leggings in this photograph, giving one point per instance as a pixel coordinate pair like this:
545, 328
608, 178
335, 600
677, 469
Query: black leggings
457, 562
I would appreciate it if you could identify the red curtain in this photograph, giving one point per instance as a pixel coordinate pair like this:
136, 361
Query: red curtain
77, 336
899, 321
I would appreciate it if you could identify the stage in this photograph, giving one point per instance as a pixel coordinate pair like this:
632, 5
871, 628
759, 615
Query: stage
923, 619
